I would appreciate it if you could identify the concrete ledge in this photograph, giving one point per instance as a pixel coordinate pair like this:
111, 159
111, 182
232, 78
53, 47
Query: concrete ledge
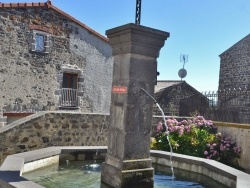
14, 165
217, 171
40, 163
235, 125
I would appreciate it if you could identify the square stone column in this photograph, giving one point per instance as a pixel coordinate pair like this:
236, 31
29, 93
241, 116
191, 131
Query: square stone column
135, 50
3, 119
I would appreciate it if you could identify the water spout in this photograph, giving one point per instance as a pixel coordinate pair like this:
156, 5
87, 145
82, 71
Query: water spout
165, 129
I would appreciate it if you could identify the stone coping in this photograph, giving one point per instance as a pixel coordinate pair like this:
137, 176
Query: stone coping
218, 171
12, 168
235, 125
38, 115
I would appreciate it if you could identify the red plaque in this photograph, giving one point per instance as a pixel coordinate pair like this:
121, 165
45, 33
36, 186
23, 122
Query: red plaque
119, 89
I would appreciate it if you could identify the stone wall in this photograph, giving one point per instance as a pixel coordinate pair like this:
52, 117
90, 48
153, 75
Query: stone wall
240, 134
234, 74
31, 81
45, 129
180, 100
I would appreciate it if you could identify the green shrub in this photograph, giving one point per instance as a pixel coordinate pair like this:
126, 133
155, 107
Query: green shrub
196, 137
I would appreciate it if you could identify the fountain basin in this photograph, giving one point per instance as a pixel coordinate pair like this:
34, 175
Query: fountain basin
14, 165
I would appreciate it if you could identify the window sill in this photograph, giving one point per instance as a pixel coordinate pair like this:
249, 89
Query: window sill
68, 108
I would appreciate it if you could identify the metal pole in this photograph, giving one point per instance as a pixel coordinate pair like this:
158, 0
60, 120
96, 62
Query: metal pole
138, 12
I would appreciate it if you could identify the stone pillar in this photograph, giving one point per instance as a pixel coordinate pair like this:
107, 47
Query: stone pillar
135, 50
3, 119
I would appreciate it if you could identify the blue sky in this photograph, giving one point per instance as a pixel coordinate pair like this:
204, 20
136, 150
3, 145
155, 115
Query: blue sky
203, 29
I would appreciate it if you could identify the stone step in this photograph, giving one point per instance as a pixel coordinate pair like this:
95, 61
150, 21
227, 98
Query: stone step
138, 177
136, 164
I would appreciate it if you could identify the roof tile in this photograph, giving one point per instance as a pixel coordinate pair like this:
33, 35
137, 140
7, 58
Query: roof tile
49, 5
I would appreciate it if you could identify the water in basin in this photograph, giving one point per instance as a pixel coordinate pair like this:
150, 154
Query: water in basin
87, 174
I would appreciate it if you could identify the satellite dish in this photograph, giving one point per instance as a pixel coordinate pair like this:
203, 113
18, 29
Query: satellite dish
182, 73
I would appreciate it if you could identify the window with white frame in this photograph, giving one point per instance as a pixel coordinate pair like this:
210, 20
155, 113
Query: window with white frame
40, 42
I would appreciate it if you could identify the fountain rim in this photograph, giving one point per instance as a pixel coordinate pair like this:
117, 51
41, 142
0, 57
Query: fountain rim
12, 168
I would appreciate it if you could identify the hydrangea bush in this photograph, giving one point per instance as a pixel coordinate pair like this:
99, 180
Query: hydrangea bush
196, 137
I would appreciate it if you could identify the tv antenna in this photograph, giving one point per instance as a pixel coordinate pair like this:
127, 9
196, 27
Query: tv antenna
182, 72
138, 12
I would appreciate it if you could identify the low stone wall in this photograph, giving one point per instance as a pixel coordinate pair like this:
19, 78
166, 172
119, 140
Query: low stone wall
45, 129
240, 134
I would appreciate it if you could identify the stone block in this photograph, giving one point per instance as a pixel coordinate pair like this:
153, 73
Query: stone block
136, 164
80, 79
118, 120
137, 145
3, 119
131, 38
137, 178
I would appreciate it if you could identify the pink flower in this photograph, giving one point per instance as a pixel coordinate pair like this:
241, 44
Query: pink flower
199, 124
187, 128
166, 133
159, 127
206, 152
181, 131
239, 149
221, 147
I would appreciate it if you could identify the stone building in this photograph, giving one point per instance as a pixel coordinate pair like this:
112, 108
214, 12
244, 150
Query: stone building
234, 82
51, 61
178, 98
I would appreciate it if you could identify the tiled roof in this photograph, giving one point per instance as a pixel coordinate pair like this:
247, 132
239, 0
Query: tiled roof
167, 84
163, 84
49, 5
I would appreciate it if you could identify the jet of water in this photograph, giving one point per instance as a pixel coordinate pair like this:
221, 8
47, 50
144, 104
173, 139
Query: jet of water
166, 129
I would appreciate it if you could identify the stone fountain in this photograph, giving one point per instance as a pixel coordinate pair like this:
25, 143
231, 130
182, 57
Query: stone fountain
135, 50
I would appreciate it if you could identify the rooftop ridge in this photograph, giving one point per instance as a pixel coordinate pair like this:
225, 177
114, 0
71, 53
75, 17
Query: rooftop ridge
235, 44
170, 81
49, 5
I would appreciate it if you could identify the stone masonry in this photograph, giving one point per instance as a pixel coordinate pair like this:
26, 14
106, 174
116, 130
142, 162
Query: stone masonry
49, 128
31, 81
178, 98
234, 74
135, 50
45, 129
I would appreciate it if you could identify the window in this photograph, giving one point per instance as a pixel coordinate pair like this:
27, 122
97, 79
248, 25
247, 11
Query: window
69, 90
69, 80
40, 42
